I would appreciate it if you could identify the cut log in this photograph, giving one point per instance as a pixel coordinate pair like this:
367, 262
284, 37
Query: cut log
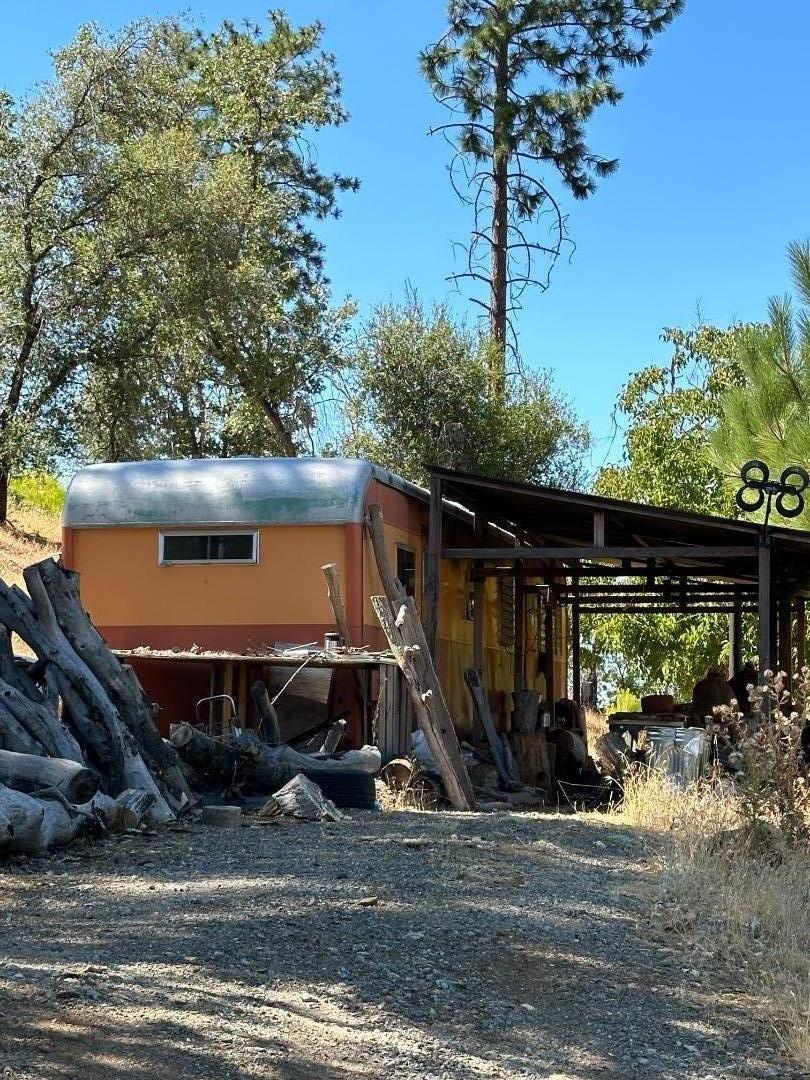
301, 798
256, 766
13, 736
41, 631
407, 640
531, 754
35, 621
33, 825
267, 761
13, 674
118, 680
41, 724
524, 714
29, 773
212, 762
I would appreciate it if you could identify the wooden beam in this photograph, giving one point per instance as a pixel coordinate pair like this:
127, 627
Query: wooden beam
375, 525
406, 637
716, 609
577, 554
595, 570
434, 555
735, 638
764, 608
330, 572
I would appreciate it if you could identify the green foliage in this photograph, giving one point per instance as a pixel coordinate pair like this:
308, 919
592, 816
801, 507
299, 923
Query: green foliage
669, 413
522, 79
41, 490
419, 394
767, 414
243, 335
626, 701
161, 286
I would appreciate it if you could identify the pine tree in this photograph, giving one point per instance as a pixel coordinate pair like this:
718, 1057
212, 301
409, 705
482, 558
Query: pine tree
522, 78
768, 416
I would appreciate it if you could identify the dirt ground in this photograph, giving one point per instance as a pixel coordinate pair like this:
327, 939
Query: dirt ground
415, 946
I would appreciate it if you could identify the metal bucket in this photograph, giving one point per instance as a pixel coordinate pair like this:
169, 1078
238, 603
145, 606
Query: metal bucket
682, 754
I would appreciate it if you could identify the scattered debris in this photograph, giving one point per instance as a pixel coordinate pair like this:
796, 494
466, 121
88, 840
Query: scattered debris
222, 817
302, 799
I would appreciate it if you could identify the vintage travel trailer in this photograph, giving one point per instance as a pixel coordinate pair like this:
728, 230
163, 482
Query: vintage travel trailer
225, 556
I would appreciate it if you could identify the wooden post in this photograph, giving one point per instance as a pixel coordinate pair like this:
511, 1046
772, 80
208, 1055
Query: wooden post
764, 611
392, 587
735, 639
784, 636
599, 528
548, 633
576, 655
433, 565
406, 637
479, 604
242, 694
520, 628
801, 633
227, 688
330, 572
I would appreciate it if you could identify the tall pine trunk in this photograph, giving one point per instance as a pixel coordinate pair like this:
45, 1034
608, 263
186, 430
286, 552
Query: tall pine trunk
499, 238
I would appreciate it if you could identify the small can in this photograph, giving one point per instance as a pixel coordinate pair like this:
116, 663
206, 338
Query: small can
331, 642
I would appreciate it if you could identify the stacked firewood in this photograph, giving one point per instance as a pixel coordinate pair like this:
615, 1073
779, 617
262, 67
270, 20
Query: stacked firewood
79, 748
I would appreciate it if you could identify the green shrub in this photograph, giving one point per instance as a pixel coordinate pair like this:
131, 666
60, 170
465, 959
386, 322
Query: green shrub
40, 490
626, 701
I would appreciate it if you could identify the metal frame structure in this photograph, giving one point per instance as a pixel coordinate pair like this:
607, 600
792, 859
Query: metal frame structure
596, 555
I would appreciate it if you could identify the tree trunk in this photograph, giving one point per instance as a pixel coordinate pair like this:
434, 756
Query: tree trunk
251, 764
212, 762
34, 825
117, 679
17, 676
81, 690
4, 481
499, 236
41, 724
13, 736
25, 772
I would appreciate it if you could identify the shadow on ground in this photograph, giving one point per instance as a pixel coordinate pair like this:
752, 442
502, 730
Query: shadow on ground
410, 945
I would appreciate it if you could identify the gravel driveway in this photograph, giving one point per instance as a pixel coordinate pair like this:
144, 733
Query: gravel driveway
403, 945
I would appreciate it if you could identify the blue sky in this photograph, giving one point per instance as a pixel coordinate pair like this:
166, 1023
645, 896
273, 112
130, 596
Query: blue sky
715, 153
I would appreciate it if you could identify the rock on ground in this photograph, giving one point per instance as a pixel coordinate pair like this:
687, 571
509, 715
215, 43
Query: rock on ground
407, 945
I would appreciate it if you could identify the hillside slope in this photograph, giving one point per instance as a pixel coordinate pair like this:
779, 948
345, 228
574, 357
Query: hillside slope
29, 535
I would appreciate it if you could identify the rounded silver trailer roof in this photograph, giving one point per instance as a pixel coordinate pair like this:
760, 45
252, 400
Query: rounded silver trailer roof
225, 491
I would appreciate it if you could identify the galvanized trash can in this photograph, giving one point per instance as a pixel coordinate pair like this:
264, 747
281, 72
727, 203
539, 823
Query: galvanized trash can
681, 754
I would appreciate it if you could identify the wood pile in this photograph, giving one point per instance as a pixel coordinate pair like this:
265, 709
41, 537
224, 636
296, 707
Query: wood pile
244, 764
79, 747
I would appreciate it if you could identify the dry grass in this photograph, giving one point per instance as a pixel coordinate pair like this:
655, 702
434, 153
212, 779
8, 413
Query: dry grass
746, 906
29, 535
595, 725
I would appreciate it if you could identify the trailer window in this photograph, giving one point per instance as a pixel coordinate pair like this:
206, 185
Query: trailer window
406, 569
208, 547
